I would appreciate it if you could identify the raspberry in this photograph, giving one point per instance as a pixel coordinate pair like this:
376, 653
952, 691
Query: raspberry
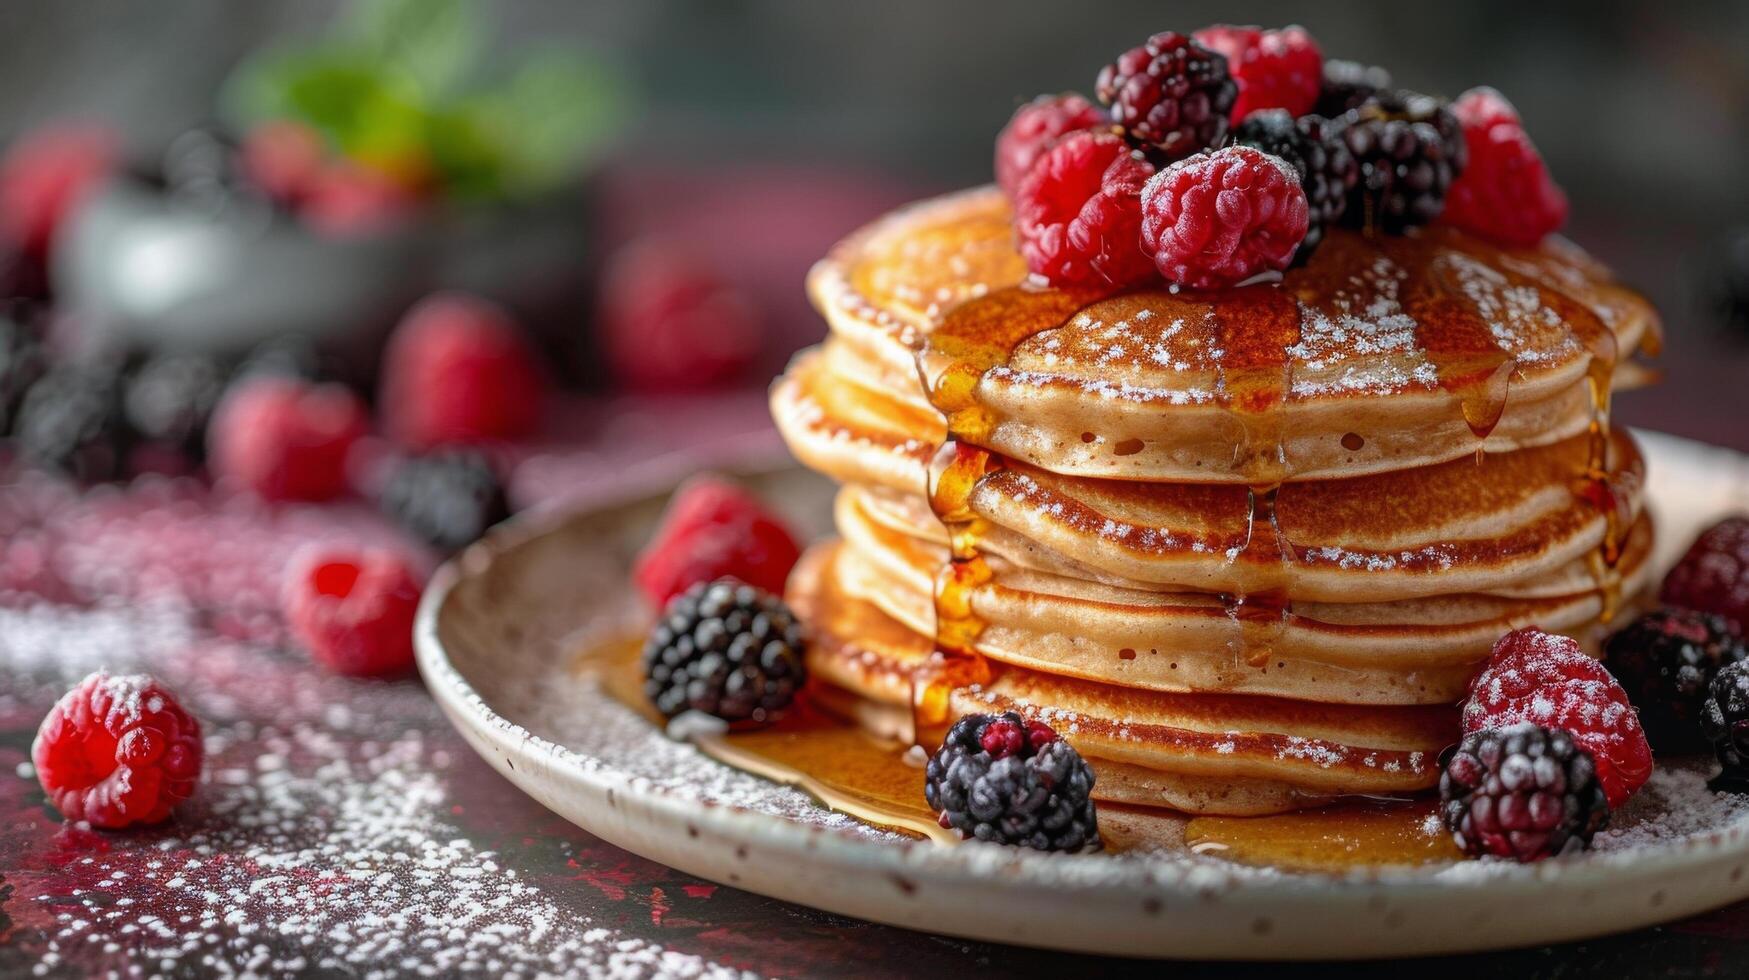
117, 751
1666, 659
285, 439
1034, 127
1522, 792
1171, 95
1505, 192
727, 649
1347, 85
457, 370
714, 529
1220, 218
45, 175
1004, 779
353, 610
1546, 679
1078, 214
670, 322
1315, 149
1281, 69
1714, 575
284, 158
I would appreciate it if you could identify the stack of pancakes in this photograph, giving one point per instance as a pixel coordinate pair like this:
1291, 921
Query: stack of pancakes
1245, 548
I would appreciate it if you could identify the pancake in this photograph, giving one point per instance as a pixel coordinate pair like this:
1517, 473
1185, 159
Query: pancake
1469, 525
1413, 651
1227, 754
1382, 353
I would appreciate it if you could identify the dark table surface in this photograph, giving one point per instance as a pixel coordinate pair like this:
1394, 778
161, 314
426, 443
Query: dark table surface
344, 829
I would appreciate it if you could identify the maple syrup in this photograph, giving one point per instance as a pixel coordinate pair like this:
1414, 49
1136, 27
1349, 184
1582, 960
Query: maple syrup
849, 770
1335, 838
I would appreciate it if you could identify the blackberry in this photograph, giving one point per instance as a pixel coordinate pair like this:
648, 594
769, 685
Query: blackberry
1170, 95
1523, 792
1004, 779
727, 649
71, 421
22, 275
1313, 146
1347, 85
22, 360
168, 399
1724, 719
1409, 147
1666, 660
447, 499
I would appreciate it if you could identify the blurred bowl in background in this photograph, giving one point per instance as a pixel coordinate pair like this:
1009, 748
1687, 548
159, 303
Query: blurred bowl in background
143, 270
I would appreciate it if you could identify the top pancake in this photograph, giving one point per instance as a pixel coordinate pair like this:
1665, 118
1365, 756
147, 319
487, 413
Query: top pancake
1382, 353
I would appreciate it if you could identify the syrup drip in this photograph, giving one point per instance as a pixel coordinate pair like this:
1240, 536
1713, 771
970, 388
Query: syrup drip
1258, 327
973, 338
1457, 341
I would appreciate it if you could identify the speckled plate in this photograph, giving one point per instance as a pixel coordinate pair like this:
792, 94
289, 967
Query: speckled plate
497, 637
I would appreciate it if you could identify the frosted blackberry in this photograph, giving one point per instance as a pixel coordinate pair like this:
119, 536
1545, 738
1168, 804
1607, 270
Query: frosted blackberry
447, 499
727, 649
1666, 660
1314, 147
71, 421
1524, 792
1724, 718
1003, 779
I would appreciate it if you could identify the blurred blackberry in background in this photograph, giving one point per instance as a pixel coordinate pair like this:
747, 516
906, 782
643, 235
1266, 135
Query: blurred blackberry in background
168, 399
22, 276
1348, 84
71, 421
22, 360
1724, 719
1313, 146
1666, 661
447, 499
284, 357
1726, 290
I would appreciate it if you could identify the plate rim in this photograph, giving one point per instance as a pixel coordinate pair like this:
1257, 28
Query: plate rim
923, 863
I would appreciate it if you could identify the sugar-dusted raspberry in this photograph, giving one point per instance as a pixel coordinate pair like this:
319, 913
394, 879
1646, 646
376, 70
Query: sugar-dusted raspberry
1034, 127
1546, 679
1171, 95
671, 321
1220, 218
714, 529
458, 370
44, 176
1505, 192
1315, 149
1714, 575
286, 439
1277, 69
1078, 214
353, 609
117, 751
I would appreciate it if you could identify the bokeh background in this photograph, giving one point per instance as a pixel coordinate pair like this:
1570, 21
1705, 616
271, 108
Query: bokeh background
760, 130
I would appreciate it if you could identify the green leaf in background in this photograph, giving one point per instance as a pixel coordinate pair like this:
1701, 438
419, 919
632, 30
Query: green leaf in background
396, 90
435, 42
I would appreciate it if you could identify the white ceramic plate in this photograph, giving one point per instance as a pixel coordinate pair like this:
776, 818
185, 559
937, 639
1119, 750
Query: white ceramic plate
499, 627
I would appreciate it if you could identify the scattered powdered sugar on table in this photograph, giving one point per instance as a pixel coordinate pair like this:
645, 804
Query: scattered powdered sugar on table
321, 838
